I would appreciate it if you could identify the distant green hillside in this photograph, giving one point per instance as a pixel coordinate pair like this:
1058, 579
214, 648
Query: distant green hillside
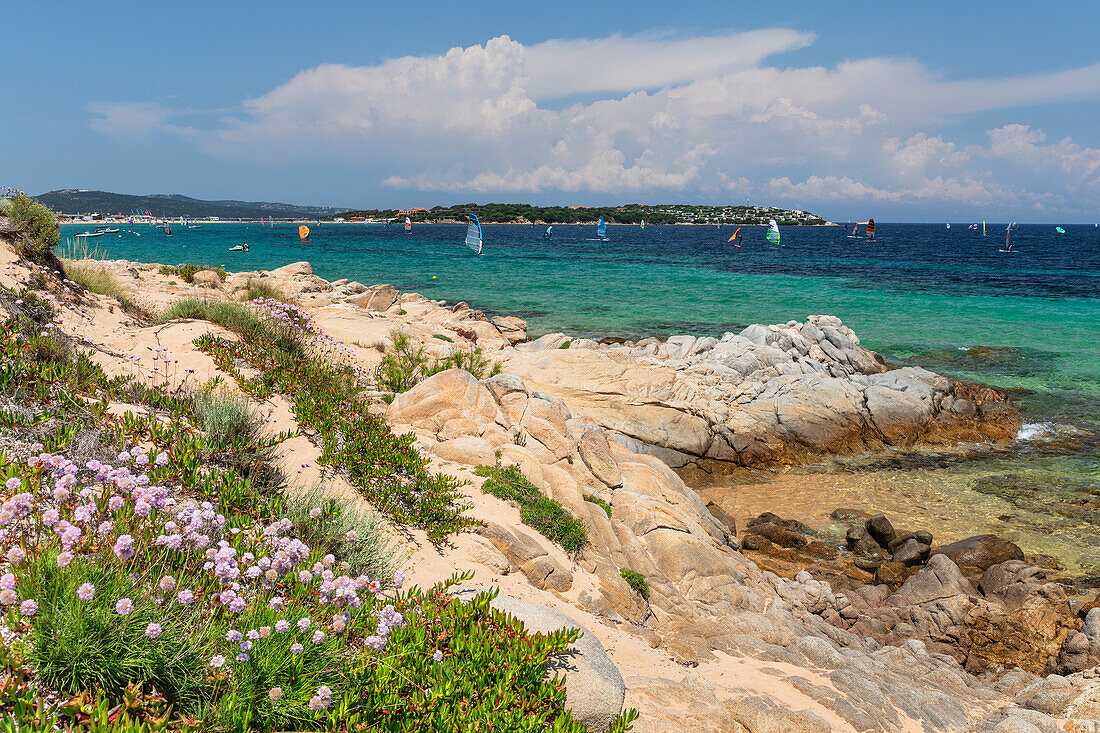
627, 214
79, 201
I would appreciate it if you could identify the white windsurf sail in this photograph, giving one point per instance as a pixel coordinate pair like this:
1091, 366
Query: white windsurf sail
473, 234
773, 232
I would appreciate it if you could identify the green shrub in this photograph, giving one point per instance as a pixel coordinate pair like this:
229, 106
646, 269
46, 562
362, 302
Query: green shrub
535, 509
38, 227
443, 337
636, 581
227, 421
384, 467
566, 344
85, 645
370, 553
405, 363
491, 677
600, 503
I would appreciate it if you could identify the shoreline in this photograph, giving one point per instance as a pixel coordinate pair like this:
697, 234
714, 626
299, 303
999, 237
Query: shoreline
708, 605
805, 464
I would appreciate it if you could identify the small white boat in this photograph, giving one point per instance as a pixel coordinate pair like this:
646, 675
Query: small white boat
89, 235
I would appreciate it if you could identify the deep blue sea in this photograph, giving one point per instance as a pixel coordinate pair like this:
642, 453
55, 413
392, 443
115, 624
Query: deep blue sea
1026, 321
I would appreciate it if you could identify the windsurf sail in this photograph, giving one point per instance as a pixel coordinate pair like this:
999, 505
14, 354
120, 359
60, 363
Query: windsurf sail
549, 232
601, 229
408, 224
773, 232
303, 232
973, 226
642, 225
855, 230
1060, 230
870, 229
948, 225
473, 234
983, 228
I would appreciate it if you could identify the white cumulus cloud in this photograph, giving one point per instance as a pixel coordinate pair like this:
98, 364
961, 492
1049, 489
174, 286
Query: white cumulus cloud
699, 117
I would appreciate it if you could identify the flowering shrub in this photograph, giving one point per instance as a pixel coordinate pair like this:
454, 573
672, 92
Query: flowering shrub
384, 467
144, 588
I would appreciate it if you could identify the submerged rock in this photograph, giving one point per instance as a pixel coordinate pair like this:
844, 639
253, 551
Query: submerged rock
982, 551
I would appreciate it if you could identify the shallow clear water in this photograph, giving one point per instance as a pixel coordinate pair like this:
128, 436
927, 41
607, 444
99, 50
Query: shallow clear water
921, 294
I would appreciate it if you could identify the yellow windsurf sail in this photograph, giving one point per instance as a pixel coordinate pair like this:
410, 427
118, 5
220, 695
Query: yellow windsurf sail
303, 232
734, 235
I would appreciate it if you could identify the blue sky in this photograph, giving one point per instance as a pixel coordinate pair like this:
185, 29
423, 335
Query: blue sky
904, 111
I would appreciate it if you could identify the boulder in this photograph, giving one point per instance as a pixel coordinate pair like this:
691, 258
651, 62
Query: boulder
720, 514
594, 689
880, 528
376, 298
982, 551
911, 552
207, 278
941, 578
860, 541
294, 268
514, 330
595, 451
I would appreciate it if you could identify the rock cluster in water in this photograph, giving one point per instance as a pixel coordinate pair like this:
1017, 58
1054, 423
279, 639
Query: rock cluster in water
765, 395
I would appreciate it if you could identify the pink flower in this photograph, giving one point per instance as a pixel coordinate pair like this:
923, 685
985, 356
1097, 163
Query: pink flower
167, 584
437, 657
233, 636
282, 626
296, 648
28, 607
64, 558
13, 483
275, 693
216, 661
86, 592
124, 547
124, 607
318, 637
185, 597
304, 624
152, 631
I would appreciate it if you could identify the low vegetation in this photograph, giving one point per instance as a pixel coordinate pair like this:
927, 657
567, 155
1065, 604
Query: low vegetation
186, 272
600, 503
259, 289
406, 362
308, 367
93, 277
176, 588
536, 510
636, 581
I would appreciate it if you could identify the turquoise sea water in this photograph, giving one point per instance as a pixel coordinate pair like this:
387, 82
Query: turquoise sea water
946, 299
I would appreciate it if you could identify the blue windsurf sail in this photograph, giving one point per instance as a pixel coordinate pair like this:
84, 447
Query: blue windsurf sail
601, 229
473, 234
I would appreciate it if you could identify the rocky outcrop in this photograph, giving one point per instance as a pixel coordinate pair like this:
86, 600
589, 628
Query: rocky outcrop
376, 297
704, 595
768, 394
